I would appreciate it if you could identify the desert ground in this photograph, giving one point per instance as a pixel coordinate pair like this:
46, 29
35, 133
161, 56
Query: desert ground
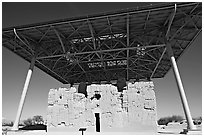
173, 128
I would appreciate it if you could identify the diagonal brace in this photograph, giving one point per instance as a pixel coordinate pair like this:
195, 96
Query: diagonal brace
92, 33
62, 44
158, 63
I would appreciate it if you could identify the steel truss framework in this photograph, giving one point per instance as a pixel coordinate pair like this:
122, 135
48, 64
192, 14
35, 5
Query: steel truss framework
130, 43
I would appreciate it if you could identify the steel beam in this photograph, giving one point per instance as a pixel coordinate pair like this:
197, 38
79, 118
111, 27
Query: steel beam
70, 69
44, 34
142, 70
81, 66
23, 95
37, 45
67, 65
188, 16
19, 46
136, 65
137, 73
52, 71
79, 77
101, 69
116, 39
186, 22
105, 45
56, 63
15, 32
109, 50
147, 18
110, 26
136, 39
151, 56
194, 8
98, 60
158, 63
62, 44
75, 30
74, 74
92, 34
170, 22
128, 44
152, 61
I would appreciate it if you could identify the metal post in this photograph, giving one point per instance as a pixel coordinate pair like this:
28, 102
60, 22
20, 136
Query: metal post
23, 95
186, 109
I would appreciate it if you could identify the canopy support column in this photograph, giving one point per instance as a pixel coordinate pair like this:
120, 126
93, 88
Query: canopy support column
186, 109
23, 95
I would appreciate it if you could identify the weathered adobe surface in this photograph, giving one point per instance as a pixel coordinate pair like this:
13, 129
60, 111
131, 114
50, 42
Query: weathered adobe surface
132, 110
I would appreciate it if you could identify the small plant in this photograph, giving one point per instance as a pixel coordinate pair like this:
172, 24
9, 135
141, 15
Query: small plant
28, 122
7, 123
197, 121
38, 119
33, 121
166, 120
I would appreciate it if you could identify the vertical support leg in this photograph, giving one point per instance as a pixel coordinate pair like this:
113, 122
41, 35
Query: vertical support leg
186, 109
23, 95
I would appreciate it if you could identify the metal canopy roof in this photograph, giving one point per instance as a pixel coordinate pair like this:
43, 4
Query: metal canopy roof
102, 47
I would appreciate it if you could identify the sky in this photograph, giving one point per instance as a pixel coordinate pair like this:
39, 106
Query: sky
14, 68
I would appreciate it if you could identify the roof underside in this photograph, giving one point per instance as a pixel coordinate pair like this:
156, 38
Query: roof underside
126, 44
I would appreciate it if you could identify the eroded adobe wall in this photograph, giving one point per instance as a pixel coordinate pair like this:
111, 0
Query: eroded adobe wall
132, 110
141, 100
